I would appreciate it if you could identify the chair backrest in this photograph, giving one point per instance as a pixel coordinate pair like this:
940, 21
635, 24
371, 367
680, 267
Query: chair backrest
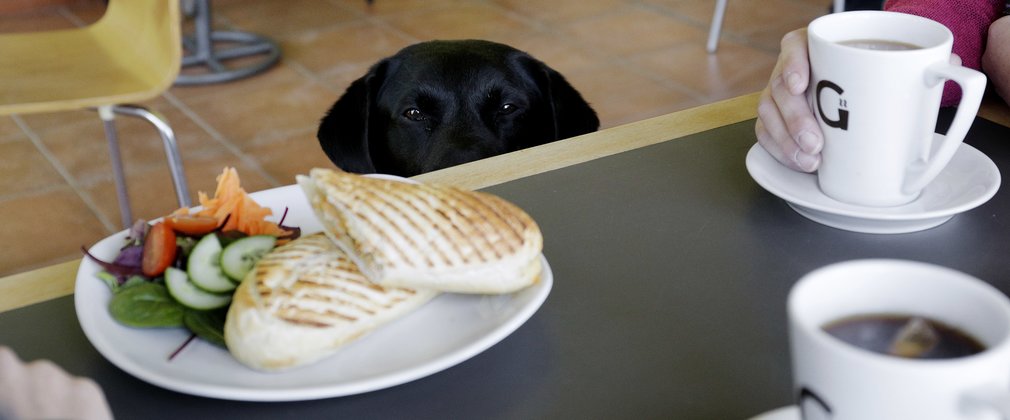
149, 30
133, 53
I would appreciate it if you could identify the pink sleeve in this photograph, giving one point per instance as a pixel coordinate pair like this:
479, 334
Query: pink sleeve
969, 20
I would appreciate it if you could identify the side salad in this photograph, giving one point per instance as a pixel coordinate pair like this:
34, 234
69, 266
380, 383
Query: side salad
181, 271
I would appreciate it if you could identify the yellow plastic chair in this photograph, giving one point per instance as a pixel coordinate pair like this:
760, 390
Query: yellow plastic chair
131, 54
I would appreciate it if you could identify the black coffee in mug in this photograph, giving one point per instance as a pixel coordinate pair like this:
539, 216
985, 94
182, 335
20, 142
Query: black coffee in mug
905, 336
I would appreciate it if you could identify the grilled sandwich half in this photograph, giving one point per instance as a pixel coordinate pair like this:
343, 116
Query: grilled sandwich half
404, 234
304, 300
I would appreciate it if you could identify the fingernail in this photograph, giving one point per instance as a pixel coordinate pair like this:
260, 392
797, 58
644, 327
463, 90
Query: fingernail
806, 162
793, 80
809, 142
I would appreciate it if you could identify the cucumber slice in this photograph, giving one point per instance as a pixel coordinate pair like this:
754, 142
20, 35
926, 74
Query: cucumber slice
239, 257
189, 295
204, 266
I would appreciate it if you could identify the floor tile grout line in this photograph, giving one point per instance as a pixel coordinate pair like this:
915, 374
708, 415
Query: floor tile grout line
65, 174
358, 13
76, 254
221, 139
34, 192
628, 64
72, 17
310, 75
384, 24
623, 62
548, 28
537, 24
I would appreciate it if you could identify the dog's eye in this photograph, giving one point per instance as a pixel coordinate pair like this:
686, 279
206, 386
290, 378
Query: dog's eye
507, 109
414, 114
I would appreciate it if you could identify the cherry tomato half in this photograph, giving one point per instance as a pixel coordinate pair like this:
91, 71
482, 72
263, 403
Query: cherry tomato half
159, 250
192, 224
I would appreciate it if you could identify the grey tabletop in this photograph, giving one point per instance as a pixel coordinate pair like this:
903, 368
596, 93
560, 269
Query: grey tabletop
671, 271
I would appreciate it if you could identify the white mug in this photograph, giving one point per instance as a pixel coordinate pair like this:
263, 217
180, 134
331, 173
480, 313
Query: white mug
878, 108
836, 380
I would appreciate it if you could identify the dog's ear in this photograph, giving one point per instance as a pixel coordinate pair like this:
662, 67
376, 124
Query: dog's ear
572, 114
343, 132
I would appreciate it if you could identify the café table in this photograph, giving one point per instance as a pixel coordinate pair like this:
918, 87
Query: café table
671, 270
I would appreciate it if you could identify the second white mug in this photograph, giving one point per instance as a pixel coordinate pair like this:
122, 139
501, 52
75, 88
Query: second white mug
841, 380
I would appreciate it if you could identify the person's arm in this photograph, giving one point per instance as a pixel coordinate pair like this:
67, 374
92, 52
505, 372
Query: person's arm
968, 20
41, 390
996, 59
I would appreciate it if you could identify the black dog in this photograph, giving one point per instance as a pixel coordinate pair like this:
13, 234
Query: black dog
442, 103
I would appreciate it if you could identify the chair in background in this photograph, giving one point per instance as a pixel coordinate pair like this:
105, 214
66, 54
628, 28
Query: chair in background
210, 49
720, 11
131, 54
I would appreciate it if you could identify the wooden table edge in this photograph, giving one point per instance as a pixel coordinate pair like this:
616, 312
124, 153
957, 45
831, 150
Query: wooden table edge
994, 109
57, 280
39, 285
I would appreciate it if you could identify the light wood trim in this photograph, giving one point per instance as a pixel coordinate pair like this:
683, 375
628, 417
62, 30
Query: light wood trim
38, 285
58, 280
994, 109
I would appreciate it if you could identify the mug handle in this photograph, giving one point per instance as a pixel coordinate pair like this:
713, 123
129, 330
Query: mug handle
989, 398
972, 87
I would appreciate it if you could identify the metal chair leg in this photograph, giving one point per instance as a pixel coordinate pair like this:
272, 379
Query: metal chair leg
716, 28
171, 154
171, 148
122, 196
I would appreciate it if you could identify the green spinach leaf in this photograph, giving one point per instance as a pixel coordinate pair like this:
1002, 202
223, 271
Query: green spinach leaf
146, 305
208, 325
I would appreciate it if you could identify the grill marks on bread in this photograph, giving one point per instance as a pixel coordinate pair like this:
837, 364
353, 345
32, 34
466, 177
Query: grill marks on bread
427, 236
306, 299
301, 285
423, 225
389, 247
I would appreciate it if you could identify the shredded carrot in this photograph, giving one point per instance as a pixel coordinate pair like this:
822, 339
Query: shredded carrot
230, 199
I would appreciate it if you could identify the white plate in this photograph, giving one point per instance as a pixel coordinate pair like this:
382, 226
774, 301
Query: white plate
444, 332
791, 412
969, 180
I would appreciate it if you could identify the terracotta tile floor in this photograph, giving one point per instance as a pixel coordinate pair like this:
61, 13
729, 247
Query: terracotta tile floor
632, 59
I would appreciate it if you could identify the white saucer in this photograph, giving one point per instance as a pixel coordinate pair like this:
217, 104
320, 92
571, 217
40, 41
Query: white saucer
969, 180
790, 412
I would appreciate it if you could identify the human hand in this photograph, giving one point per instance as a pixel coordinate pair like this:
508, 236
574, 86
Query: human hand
41, 389
786, 126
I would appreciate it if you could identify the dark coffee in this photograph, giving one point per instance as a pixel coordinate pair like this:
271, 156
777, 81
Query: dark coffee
905, 336
880, 45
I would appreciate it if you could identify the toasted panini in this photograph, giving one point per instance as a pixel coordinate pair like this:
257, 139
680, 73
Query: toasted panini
304, 300
427, 236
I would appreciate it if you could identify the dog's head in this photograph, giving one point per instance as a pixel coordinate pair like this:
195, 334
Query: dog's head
441, 103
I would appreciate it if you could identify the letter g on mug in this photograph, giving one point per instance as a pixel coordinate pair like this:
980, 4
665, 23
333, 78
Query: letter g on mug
842, 122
